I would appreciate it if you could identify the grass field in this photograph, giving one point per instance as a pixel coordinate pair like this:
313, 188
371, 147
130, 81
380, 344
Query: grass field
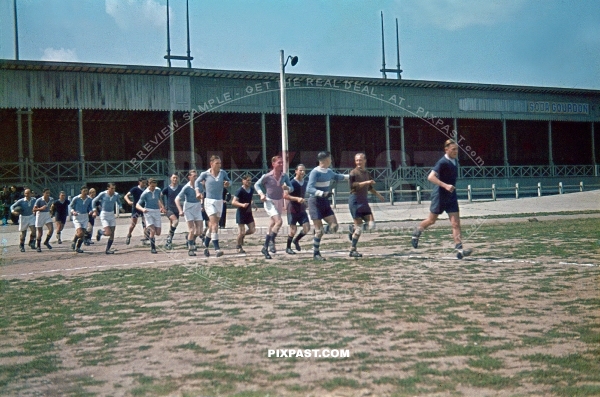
519, 318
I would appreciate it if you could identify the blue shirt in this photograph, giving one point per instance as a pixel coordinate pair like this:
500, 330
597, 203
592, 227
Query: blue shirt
41, 202
273, 187
212, 185
188, 194
81, 206
107, 203
26, 206
149, 200
447, 172
319, 180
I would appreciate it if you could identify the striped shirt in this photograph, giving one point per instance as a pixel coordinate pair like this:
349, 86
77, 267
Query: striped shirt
319, 180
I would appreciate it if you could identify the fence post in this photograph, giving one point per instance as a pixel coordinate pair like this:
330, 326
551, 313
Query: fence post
391, 195
418, 194
581, 186
333, 197
469, 194
493, 191
516, 190
539, 189
560, 188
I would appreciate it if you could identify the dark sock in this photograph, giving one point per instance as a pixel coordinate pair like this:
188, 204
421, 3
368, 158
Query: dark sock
216, 244
79, 242
354, 242
267, 239
152, 243
206, 241
108, 244
289, 242
299, 236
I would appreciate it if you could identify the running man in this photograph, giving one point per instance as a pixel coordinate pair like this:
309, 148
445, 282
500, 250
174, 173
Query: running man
170, 194
191, 211
61, 211
150, 204
132, 198
443, 197
242, 200
80, 208
214, 180
270, 188
109, 203
296, 214
319, 208
87, 240
41, 209
24, 207
361, 184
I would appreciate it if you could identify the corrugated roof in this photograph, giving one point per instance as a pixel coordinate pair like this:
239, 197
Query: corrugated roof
252, 75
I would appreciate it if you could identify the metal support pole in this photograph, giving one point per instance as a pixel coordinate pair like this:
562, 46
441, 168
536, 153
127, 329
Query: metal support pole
192, 144
550, 157
263, 130
171, 144
593, 146
402, 144
391, 195
187, 17
284, 130
328, 132
81, 143
16, 31
418, 194
168, 37
560, 188
20, 143
388, 155
504, 142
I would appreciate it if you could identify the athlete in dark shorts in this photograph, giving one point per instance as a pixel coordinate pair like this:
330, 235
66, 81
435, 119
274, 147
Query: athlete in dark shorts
319, 208
361, 184
242, 199
170, 194
296, 212
443, 198
132, 197
61, 210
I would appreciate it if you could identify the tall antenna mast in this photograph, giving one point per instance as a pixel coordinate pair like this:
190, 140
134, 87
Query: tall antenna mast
382, 49
383, 69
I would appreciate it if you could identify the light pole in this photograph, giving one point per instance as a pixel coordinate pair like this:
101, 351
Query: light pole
284, 131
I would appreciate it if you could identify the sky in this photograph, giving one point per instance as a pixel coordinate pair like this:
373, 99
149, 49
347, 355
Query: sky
549, 43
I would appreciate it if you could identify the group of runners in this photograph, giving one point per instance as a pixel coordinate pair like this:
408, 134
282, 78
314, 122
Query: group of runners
200, 203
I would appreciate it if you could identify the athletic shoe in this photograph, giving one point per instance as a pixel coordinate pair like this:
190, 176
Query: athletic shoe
318, 257
79, 251
109, 252
415, 238
272, 247
39, 249
86, 242
206, 252
240, 250
32, 245
297, 244
169, 240
289, 251
59, 241
145, 241
265, 252
153, 251
48, 246
127, 240
219, 253
168, 246
22, 247
350, 232
73, 246
191, 253
461, 253
98, 235
355, 254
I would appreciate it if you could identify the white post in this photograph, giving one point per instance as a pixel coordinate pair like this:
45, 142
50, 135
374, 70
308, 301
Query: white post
493, 191
516, 190
469, 194
333, 197
560, 188
581, 186
539, 189
391, 195
418, 194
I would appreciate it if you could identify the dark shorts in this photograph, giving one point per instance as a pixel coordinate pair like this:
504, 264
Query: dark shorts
244, 217
439, 206
319, 208
137, 214
358, 209
297, 218
171, 212
61, 219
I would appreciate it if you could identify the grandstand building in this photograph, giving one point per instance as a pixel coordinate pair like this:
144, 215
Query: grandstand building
66, 123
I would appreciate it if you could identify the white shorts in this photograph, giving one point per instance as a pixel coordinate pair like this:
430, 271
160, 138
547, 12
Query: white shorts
152, 218
81, 221
26, 221
41, 218
274, 207
213, 207
192, 212
108, 219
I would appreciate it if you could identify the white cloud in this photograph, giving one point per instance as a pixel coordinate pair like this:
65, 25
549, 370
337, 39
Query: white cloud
459, 14
133, 14
60, 55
